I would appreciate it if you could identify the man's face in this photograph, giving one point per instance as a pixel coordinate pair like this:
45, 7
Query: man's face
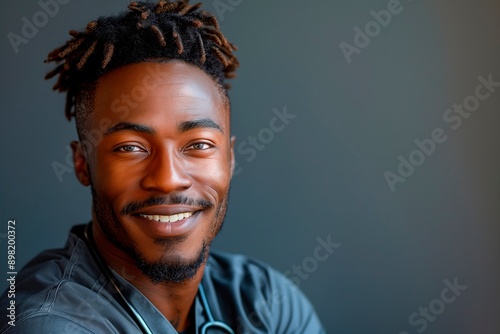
160, 176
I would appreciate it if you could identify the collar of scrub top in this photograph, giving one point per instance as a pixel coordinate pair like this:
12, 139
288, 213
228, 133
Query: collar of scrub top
132, 311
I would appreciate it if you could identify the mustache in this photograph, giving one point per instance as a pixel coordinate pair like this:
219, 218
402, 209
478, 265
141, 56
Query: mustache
159, 200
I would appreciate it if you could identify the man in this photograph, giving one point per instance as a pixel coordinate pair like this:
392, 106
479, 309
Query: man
148, 91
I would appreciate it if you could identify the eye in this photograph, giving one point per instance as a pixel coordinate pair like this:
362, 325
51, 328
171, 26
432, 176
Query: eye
201, 146
129, 149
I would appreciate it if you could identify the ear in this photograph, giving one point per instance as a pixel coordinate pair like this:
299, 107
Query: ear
80, 163
233, 141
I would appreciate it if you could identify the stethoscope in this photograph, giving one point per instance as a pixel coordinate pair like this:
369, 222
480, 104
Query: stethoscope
139, 320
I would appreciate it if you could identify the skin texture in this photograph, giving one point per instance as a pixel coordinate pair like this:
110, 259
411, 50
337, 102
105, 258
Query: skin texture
158, 158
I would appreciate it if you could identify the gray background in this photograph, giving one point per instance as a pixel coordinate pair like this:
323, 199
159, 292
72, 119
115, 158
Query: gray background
324, 174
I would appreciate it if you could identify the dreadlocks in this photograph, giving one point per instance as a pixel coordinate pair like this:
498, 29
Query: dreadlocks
166, 30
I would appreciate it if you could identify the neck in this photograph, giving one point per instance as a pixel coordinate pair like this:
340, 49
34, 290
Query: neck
174, 300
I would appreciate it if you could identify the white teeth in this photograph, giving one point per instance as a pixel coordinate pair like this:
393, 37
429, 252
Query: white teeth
168, 219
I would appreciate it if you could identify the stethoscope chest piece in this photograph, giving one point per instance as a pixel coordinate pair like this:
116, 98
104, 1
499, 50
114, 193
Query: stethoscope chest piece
211, 323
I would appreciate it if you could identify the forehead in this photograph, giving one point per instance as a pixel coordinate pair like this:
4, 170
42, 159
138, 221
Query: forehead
154, 91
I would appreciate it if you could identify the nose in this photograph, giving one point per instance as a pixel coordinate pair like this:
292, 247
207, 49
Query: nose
166, 173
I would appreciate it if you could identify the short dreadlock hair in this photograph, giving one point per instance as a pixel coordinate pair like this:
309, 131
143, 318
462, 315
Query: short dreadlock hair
161, 31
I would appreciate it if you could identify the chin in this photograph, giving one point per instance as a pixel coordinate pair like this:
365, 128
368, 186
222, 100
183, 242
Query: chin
172, 267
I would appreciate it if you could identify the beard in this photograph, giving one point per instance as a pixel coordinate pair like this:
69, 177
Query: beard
166, 269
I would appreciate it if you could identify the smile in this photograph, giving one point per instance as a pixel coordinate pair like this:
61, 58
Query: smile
168, 219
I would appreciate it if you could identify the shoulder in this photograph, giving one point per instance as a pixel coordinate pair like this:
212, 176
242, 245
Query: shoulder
239, 270
272, 301
46, 323
238, 266
59, 291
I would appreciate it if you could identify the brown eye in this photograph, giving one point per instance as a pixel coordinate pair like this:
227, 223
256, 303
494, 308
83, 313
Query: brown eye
200, 146
129, 148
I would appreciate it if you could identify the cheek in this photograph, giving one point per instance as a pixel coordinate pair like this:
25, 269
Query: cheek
114, 179
214, 175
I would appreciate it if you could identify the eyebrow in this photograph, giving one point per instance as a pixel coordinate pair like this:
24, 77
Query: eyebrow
126, 126
186, 126
205, 123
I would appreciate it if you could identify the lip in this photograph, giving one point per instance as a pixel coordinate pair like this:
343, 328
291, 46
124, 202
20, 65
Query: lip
163, 229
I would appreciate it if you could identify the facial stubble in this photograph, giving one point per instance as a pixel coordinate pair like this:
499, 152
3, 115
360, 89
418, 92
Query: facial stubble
167, 269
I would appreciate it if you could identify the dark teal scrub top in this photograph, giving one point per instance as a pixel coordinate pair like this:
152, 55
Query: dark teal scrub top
64, 291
